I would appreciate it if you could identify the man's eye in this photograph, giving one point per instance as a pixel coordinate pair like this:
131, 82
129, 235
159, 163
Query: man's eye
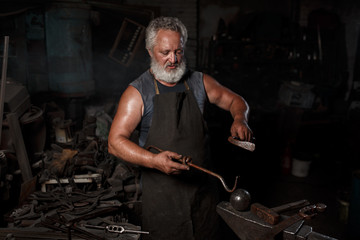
165, 53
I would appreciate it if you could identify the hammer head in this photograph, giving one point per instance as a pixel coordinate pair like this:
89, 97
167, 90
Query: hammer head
266, 214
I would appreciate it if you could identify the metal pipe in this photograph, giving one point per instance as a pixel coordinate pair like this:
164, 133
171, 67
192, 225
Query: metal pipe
187, 160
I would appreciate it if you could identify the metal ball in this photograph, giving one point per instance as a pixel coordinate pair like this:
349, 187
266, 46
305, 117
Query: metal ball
240, 199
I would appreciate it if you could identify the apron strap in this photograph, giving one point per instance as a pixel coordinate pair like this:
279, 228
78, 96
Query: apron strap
156, 87
157, 92
186, 85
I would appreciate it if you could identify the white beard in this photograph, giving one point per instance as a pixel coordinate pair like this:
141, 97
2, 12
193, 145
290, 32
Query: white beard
170, 77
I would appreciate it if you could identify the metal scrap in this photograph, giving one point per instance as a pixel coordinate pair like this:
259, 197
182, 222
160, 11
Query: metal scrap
77, 184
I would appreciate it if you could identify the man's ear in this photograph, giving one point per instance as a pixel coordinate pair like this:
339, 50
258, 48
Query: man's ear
150, 52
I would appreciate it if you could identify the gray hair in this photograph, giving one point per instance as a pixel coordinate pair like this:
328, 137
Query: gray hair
166, 23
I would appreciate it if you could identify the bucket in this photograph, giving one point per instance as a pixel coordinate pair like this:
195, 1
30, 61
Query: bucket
300, 168
343, 211
34, 131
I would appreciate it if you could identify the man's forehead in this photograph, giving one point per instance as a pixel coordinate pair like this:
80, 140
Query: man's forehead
169, 37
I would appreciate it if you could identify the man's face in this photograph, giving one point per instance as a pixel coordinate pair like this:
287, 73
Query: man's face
167, 61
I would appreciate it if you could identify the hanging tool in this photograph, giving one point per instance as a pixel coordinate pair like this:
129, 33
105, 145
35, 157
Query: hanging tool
243, 144
188, 161
304, 213
116, 229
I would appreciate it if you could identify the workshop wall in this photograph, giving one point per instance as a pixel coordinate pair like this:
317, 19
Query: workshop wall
257, 47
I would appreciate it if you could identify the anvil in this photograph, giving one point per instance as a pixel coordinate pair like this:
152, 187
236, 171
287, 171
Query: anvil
248, 226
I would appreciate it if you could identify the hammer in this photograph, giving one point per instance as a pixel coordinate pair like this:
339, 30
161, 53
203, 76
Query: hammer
271, 215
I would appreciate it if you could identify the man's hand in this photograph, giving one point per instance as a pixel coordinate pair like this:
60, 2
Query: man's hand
166, 163
230, 101
241, 129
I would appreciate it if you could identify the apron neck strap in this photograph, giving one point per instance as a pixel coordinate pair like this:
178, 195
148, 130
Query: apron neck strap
186, 85
156, 87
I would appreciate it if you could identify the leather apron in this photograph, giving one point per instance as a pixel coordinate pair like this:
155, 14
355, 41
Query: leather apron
178, 206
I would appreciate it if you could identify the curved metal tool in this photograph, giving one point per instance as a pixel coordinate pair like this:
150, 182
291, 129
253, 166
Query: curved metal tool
243, 144
188, 161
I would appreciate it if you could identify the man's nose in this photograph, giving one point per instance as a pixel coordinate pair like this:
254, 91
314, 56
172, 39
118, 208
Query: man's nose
173, 58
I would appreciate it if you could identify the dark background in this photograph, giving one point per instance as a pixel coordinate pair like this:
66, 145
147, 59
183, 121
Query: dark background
295, 62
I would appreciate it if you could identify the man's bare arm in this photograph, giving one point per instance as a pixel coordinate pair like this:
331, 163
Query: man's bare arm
128, 116
230, 101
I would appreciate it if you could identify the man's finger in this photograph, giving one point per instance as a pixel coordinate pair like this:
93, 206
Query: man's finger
176, 172
180, 166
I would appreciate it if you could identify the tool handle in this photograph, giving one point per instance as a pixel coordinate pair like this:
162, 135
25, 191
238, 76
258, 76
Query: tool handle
291, 206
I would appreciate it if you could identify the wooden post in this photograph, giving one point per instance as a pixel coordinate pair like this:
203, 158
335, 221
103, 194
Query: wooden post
3, 81
18, 141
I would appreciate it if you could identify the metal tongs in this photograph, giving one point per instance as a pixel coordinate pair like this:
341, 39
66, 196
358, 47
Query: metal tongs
188, 161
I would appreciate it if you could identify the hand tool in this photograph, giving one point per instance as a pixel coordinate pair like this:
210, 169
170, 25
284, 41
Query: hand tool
291, 206
304, 213
243, 144
188, 161
271, 215
116, 229
266, 214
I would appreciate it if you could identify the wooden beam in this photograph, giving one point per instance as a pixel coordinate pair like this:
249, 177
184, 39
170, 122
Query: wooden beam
3, 81
19, 145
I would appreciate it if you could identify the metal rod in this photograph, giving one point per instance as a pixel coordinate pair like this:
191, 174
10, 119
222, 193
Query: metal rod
187, 160
3, 81
215, 175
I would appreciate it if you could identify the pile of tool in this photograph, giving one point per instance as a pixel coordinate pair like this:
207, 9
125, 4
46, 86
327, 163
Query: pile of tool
82, 192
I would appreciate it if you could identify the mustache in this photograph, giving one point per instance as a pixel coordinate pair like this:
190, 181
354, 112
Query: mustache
171, 65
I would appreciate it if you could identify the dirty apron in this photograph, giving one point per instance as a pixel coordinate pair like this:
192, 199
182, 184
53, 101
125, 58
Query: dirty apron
179, 206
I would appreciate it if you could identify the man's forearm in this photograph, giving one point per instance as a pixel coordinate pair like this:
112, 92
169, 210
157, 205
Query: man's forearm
239, 109
129, 151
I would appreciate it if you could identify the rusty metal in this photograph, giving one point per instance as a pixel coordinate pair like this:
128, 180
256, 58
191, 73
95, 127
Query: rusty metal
307, 213
266, 214
73, 203
271, 215
188, 161
243, 144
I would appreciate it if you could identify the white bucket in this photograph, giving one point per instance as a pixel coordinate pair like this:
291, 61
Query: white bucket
300, 168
